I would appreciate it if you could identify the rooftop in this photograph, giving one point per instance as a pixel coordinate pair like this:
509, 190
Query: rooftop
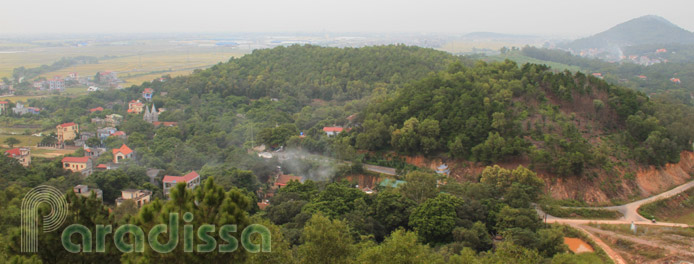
68, 124
185, 178
332, 129
123, 149
284, 179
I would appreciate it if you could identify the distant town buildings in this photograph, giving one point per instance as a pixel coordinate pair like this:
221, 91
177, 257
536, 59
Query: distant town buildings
140, 197
23, 155
192, 180
83, 190
135, 107
78, 164
119, 154
67, 131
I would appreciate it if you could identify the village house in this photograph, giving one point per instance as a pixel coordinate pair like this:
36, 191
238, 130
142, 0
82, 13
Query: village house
23, 155
140, 197
98, 109
78, 164
332, 131
72, 76
135, 107
120, 134
92, 89
284, 179
114, 120
119, 154
67, 131
191, 180
19, 109
84, 190
3, 107
98, 121
93, 152
56, 83
147, 94
676, 80
38, 84
105, 132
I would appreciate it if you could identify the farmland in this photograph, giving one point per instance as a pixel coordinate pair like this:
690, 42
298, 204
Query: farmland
135, 62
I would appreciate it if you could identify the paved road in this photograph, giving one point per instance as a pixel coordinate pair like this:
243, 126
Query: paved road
630, 210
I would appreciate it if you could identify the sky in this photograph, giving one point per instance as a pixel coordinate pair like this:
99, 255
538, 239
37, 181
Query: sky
536, 17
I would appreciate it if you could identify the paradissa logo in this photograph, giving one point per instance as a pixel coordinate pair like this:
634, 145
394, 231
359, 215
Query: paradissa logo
136, 241
138, 244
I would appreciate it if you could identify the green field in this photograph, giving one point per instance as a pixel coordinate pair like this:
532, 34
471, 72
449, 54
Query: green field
522, 59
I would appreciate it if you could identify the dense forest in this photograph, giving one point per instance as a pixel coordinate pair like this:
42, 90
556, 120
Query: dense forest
392, 99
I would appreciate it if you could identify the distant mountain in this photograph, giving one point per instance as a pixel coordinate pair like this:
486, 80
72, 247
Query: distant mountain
639, 31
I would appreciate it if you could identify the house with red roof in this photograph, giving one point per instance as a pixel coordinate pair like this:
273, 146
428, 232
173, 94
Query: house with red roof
147, 94
119, 134
3, 106
191, 180
135, 107
332, 131
119, 154
78, 164
284, 179
23, 155
98, 109
676, 80
165, 124
67, 131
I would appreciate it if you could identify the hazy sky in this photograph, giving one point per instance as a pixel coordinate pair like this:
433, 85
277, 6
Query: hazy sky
545, 17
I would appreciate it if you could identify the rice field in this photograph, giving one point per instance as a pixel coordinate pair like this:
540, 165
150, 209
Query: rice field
137, 62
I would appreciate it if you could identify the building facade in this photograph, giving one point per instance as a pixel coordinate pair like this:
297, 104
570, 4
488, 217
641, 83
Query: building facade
191, 180
67, 131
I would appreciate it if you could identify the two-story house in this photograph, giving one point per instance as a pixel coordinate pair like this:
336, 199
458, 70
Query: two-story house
67, 131
191, 180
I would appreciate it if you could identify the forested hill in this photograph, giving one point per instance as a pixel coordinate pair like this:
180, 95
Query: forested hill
312, 72
563, 122
410, 100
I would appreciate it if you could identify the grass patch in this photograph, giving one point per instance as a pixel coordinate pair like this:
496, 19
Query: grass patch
580, 213
25, 141
677, 209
